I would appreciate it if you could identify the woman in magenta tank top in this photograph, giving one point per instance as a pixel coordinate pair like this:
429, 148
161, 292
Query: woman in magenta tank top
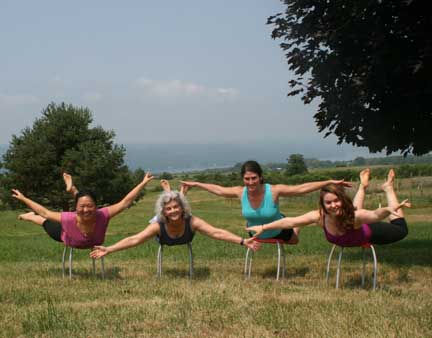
85, 227
260, 201
345, 222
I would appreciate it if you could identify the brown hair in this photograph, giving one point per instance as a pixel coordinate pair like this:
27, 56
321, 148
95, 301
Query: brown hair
345, 221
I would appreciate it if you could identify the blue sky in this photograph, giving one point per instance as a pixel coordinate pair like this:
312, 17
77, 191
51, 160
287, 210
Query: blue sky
155, 72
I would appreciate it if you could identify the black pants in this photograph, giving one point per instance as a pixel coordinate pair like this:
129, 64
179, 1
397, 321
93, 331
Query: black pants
386, 233
53, 229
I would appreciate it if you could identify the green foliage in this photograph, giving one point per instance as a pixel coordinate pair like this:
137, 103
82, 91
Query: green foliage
63, 141
368, 63
296, 165
166, 176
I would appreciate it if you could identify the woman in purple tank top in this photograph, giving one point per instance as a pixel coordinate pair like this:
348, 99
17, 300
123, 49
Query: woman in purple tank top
84, 227
345, 222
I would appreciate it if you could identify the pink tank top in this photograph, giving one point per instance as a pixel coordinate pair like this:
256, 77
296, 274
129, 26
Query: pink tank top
71, 236
355, 237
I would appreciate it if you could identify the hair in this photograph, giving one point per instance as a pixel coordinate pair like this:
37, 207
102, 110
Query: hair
168, 196
83, 193
252, 166
347, 217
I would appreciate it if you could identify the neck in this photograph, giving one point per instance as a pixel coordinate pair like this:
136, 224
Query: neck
258, 191
176, 224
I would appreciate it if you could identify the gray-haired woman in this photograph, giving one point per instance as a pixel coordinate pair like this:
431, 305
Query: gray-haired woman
175, 225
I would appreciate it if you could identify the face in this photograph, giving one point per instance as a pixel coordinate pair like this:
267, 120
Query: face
86, 207
173, 210
332, 204
251, 180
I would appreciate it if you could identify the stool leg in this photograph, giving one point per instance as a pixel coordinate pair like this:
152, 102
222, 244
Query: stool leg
159, 262
363, 268
338, 268
283, 260
375, 267
94, 266
70, 262
329, 262
103, 267
190, 260
63, 260
246, 263
278, 260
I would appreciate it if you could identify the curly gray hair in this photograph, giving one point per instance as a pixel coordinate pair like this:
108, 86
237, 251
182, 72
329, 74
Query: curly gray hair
168, 196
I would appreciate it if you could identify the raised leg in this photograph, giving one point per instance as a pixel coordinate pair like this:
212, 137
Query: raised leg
358, 200
32, 217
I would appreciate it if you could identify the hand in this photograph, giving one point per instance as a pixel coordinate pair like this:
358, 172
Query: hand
17, 194
147, 177
257, 229
342, 183
98, 252
189, 184
252, 244
184, 189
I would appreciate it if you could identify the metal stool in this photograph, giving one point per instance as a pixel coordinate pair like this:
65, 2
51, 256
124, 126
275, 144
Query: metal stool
159, 260
281, 256
70, 263
365, 246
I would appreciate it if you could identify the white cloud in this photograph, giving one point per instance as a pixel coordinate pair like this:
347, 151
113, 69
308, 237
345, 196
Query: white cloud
13, 100
178, 88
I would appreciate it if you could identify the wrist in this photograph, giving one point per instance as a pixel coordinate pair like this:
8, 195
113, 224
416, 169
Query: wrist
242, 241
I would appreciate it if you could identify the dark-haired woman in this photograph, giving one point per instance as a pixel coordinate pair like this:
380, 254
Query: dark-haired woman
260, 201
343, 224
84, 227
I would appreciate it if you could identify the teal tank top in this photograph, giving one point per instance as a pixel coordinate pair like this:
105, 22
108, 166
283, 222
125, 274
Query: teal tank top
267, 212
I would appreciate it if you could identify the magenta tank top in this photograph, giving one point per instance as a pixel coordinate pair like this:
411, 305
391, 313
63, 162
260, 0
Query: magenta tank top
355, 237
71, 236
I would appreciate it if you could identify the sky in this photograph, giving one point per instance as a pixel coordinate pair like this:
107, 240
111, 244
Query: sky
170, 72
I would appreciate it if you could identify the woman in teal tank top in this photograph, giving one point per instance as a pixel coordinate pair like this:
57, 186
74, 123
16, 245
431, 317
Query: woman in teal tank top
259, 200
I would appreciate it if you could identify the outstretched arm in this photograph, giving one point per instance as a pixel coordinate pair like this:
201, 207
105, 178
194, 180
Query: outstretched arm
128, 242
36, 207
221, 234
311, 217
292, 190
215, 189
126, 202
373, 216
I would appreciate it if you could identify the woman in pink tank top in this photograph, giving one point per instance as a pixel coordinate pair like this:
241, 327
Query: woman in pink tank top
345, 222
84, 227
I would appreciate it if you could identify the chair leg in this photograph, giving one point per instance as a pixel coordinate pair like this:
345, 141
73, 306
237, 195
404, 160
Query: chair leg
63, 260
94, 266
329, 262
103, 267
70, 262
375, 267
191, 263
338, 267
278, 260
159, 261
363, 267
283, 260
248, 263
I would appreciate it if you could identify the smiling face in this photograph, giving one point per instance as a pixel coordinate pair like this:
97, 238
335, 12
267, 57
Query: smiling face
332, 204
86, 207
173, 211
251, 180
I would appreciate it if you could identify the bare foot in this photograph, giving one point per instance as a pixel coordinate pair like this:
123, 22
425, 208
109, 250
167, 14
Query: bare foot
364, 177
68, 181
27, 216
390, 180
165, 185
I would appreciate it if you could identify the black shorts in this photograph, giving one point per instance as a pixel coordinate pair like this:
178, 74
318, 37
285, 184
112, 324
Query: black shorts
53, 229
386, 233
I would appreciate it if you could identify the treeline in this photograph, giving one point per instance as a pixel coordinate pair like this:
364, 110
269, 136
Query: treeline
280, 176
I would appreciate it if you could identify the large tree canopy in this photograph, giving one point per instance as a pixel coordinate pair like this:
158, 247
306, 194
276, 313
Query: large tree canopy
369, 63
63, 140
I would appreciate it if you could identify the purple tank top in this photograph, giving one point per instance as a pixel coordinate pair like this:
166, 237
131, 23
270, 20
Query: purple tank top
355, 237
71, 236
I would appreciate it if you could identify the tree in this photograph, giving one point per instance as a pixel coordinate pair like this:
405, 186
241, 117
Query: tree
63, 141
296, 165
369, 63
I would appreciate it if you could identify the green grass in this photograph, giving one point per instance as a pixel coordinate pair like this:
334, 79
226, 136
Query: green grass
35, 301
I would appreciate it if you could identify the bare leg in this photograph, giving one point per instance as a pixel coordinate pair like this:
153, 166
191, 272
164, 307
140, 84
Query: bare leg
392, 200
184, 189
69, 184
359, 197
165, 185
32, 217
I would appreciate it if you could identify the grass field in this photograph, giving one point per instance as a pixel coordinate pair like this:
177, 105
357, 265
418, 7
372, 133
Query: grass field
35, 301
